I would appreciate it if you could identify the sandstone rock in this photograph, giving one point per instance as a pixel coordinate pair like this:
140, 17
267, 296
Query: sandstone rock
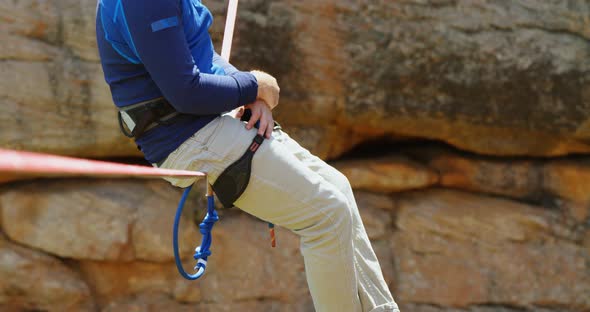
113, 281
455, 249
246, 267
267, 306
148, 302
157, 302
242, 267
367, 199
79, 27
55, 99
31, 280
377, 222
18, 47
31, 19
386, 174
96, 219
60, 107
517, 179
570, 181
561, 183
65, 24
386, 256
477, 308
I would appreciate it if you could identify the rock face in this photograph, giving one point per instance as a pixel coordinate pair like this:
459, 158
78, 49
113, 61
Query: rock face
54, 98
242, 268
96, 220
387, 174
158, 302
459, 250
31, 280
554, 184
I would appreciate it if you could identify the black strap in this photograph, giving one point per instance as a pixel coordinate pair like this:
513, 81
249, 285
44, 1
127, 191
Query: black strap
232, 182
145, 115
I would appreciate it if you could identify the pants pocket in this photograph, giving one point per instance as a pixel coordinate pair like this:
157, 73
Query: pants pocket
230, 140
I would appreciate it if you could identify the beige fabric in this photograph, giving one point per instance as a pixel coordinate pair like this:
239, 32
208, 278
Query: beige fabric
292, 188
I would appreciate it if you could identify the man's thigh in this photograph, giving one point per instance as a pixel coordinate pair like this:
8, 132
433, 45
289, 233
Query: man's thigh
314, 163
285, 191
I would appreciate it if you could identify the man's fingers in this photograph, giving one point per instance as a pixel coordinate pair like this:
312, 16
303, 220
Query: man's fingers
263, 125
262, 114
269, 128
255, 117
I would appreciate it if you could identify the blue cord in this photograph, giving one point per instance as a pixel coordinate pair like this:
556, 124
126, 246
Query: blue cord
201, 252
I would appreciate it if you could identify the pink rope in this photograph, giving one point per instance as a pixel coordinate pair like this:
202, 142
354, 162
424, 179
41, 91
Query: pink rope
14, 164
228, 34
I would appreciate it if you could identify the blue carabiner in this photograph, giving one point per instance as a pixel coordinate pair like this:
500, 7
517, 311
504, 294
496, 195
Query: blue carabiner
201, 252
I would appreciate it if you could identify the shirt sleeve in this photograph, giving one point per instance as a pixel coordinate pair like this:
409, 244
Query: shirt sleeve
228, 68
159, 41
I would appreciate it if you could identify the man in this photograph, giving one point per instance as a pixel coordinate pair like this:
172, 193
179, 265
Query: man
173, 89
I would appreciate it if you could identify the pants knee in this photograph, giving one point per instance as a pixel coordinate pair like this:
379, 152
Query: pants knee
340, 181
334, 224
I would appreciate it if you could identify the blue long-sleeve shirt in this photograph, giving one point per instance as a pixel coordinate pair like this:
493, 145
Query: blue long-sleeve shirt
162, 48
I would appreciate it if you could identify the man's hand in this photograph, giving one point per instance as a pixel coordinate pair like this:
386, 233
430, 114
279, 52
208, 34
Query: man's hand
268, 88
261, 112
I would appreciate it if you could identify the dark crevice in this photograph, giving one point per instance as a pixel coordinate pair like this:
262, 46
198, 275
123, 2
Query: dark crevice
422, 149
525, 172
377, 147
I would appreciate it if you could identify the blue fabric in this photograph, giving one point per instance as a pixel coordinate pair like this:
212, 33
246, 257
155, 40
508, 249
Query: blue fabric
203, 251
165, 23
177, 62
224, 65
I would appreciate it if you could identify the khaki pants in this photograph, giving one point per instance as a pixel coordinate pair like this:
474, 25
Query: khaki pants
294, 189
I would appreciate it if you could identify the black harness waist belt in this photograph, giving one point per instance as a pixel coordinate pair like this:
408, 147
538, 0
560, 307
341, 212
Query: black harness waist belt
232, 182
136, 119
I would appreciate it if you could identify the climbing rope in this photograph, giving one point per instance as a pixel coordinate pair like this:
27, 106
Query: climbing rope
202, 252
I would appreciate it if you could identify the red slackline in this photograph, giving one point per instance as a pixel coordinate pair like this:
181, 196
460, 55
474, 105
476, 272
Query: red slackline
16, 165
